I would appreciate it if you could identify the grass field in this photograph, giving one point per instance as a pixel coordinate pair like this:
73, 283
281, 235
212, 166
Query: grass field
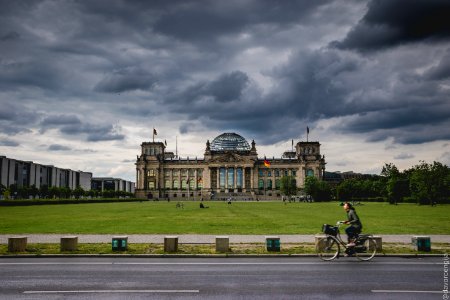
220, 218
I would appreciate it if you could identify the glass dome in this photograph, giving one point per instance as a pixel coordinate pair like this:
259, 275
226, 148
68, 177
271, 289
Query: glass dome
229, 142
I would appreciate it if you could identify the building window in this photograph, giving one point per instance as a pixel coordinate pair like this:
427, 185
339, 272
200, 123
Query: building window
239, 178
175, 172
269, 173
230, 184
191, 172
183, 184
151, 185
200, 173
192, 184
200, 182
277, 173
222, 178
175, 184
269, 184
166, 173
261, 184
294, 173
277, 184
167, 184
184, 173
260, 173
309, 172
151, 173
286, 173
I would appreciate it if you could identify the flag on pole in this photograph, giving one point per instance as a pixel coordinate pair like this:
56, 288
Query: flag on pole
307, 129
165, 142
266, 163
154, 131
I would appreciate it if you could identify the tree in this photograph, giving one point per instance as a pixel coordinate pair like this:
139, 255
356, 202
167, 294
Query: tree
319, 190
429, 182
288, 185
78, 192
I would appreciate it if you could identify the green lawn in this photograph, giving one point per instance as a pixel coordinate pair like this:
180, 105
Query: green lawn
220, 218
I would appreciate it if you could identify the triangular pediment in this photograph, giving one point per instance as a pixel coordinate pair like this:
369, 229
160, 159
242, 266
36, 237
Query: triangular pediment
230, 157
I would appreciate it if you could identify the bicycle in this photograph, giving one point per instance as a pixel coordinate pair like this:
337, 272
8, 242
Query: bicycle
329, 247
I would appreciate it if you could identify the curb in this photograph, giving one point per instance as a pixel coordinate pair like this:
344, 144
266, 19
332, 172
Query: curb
199, 255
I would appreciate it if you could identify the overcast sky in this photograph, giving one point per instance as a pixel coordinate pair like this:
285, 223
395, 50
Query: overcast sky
83, 83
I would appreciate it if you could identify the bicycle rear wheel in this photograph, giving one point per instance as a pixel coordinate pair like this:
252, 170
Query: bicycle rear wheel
370, 251
328, 248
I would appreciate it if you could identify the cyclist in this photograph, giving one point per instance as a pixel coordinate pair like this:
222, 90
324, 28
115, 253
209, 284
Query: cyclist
355, 224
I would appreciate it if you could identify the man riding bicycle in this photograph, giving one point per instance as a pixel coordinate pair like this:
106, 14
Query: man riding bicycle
355, 224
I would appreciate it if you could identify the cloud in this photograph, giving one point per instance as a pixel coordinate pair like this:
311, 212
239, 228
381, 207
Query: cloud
56, 147
72, 125
389, 23
404, 156
127, 79
9, 143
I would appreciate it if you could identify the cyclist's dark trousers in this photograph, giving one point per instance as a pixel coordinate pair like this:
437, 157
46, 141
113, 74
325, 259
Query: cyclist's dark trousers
352, 232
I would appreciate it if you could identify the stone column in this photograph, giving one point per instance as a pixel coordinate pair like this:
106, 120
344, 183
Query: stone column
244, 187
235, 177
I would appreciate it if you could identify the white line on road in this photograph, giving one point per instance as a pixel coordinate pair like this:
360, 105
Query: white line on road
111, 291
213, 263
406, 291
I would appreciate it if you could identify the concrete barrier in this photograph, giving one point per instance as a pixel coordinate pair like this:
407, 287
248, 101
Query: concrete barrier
320, 242
69, 243
170, 243
379, 242
222, 243
17, 244
273, 243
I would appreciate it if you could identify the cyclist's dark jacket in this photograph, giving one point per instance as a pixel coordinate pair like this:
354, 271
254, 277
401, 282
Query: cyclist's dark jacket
354, 219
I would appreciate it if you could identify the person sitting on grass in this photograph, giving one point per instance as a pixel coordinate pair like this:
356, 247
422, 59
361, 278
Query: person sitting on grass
355, 224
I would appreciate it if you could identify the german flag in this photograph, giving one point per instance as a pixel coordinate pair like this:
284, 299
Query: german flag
266, 163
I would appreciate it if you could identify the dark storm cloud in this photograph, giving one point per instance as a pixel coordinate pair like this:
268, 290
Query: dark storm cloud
15, 119
210, 20
393, 22
226, 88
124, 80
72, 125
441, 71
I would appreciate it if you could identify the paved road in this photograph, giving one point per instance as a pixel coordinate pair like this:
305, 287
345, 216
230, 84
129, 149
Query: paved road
194, 238
220, 278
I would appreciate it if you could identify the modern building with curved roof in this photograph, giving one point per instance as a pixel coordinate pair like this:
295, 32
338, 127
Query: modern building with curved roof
230, 168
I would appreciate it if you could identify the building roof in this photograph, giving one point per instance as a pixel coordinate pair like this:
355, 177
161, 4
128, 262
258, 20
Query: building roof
229, 142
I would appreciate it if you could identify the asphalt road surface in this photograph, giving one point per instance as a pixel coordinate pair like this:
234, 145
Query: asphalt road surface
221, 278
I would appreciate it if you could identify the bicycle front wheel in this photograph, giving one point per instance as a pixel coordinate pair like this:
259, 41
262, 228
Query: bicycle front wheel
369, 251
327, 248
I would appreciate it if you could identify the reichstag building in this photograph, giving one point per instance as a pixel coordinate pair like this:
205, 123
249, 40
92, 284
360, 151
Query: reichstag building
230, 168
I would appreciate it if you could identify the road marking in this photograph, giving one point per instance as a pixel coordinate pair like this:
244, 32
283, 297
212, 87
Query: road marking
405, 291
216, 263
111, 291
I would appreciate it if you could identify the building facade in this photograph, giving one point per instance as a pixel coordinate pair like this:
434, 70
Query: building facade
230, 167
28, 173
112, 184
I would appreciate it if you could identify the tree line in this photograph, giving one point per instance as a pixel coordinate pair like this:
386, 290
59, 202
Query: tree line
424, 183
45, 192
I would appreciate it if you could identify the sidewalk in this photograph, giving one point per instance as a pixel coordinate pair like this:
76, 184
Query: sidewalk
200, 239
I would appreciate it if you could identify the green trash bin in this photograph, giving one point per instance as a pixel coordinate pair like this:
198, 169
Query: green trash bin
273, 243
120, 243
422, 243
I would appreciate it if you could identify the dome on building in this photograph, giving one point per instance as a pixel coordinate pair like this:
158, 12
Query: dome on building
229, 142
